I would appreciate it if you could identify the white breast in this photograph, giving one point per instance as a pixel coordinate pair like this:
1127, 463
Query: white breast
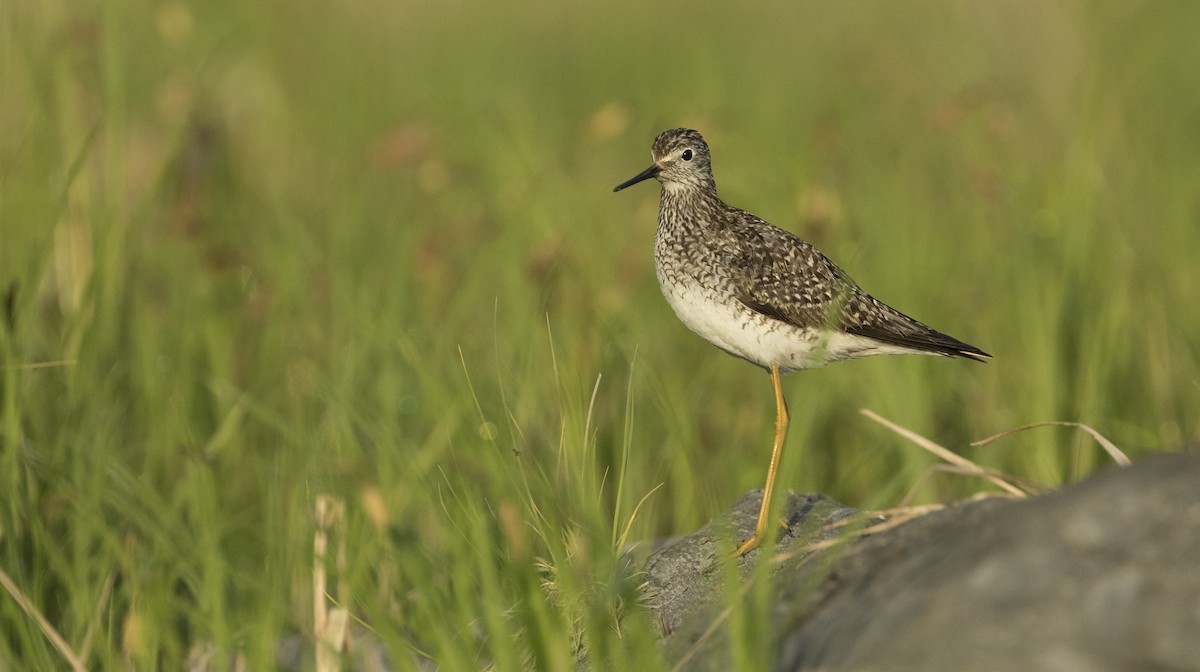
740, 331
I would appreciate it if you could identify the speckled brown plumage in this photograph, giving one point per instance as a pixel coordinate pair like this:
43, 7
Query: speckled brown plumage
784, 301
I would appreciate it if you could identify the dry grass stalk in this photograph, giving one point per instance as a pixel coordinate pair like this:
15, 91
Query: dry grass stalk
968, 467
32, 611
1115, 453
331, 626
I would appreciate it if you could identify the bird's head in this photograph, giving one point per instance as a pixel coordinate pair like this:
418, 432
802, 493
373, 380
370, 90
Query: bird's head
681, 161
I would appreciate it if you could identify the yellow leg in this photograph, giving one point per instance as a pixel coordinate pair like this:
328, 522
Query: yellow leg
781, 427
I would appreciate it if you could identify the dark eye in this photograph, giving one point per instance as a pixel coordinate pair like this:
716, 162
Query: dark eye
687, 155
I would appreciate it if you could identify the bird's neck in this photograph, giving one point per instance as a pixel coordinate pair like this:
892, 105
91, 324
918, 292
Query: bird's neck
688, 195
686, 206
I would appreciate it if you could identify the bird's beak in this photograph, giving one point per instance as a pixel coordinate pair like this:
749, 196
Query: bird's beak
644, 175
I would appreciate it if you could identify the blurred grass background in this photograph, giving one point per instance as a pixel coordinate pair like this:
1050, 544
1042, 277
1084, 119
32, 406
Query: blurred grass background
253, 253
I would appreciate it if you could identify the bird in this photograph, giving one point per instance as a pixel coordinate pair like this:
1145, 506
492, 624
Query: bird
762, 294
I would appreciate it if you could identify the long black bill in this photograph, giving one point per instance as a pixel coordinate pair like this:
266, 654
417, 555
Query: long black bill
644, 175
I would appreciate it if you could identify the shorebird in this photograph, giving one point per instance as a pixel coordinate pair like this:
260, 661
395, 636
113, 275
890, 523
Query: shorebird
762, 294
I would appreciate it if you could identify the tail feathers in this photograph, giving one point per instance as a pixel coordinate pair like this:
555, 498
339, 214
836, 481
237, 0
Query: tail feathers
916, 336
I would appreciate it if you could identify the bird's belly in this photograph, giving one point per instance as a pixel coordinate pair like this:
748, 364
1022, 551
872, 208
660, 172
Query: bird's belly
728, 324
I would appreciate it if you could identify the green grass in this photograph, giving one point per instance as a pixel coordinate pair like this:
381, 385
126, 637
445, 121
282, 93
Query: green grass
255, 253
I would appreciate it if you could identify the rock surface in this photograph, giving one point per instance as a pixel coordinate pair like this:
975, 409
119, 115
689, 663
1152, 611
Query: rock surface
1101, 575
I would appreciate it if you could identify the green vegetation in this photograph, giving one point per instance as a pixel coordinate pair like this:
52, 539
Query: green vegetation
256, 253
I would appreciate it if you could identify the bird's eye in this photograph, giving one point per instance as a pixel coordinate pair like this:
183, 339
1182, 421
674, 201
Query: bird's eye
687, 155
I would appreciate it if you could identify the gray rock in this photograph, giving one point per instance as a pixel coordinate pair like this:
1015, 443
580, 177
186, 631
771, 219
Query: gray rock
1101, 575
685, 576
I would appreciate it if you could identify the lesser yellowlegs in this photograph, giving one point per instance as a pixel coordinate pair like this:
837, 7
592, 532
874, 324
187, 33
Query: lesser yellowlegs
762, 294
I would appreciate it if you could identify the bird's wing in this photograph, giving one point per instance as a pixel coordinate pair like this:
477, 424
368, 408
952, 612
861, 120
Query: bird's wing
785, 278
